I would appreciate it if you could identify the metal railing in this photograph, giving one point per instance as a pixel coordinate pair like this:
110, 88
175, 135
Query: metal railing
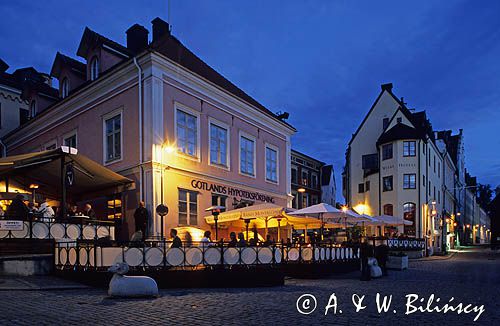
157, 255
49, 228
404, 244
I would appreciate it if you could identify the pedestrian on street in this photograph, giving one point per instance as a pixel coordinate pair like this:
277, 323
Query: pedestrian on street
141, 217
365, 253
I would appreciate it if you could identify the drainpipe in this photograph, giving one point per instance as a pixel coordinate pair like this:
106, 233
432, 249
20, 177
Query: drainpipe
139, 75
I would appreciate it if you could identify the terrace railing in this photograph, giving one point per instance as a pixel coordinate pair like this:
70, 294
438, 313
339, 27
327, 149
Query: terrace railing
157, 255
47, 228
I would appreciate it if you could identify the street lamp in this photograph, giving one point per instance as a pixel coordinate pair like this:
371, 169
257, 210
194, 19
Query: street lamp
344, 210
33, 186
215, 210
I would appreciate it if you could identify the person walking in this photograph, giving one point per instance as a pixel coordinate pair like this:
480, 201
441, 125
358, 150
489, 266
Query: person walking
141, 218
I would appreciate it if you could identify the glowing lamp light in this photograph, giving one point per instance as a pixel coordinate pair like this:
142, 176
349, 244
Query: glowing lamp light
433, 202
169, 149
344, 209
467, 226
458, 214
455, 224
447, 220
33, 186
434, 212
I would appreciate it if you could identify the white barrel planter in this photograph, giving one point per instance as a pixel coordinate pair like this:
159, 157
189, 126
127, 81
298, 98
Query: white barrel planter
397, 262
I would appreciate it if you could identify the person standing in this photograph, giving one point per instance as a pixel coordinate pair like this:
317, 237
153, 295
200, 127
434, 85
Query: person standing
17, 208
176, 241
141, 218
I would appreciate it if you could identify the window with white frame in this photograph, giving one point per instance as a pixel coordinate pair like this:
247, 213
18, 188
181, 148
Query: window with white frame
113, 138
188, 207
70, 140
64, 87
409, 181
271, 164
218, 145
409, 148
247, 155
94, 68
187, 133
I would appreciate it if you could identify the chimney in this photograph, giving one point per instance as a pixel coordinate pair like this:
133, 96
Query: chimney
387, 87
137, 38
160, 28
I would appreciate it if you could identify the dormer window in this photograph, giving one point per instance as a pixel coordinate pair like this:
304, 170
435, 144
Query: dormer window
94, 68
65, 87
33, 109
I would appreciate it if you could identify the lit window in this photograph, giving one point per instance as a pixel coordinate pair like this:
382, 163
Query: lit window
187, 133
409, 213
94, 68
114, 208
271, 165
188, 207
387, 183
247, 156
386, 151
409, 148
409, 181
218, 145
305, 178
388, 209
70, 141
64, 88
113, 138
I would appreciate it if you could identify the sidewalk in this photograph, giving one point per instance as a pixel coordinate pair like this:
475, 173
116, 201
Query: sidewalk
37, 283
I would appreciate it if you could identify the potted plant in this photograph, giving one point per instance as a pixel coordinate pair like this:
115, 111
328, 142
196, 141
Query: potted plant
397, 260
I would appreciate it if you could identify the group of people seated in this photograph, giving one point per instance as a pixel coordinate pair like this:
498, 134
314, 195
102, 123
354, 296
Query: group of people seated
23, 209
234, 241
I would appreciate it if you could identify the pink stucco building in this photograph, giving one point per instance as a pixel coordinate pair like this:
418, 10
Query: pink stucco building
156, 113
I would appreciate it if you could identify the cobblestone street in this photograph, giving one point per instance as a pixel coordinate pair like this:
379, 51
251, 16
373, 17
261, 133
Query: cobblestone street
471, 276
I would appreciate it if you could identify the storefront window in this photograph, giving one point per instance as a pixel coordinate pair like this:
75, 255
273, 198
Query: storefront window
218, 145
113, 138
188, 207
187, 133
271, 165
247, 155
409, 213
114, 208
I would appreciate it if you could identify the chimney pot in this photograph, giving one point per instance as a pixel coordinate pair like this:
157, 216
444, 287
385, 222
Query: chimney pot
160, 28
137, 38
387, 87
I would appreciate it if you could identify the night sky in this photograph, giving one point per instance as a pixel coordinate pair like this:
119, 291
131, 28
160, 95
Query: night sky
322, 61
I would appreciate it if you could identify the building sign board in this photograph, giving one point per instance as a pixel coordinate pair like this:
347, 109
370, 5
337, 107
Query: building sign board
230, 191
8, 225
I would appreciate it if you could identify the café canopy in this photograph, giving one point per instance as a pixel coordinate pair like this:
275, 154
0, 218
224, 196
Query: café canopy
265, 215
83, 177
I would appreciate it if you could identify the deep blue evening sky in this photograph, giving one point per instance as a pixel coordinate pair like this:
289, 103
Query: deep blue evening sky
323, 61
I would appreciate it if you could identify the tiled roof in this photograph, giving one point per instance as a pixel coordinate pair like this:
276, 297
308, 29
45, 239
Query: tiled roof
61, 59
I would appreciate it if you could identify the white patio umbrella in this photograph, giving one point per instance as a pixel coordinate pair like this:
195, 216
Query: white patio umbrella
393, 220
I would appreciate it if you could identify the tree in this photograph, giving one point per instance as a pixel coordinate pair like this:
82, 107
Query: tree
484, 194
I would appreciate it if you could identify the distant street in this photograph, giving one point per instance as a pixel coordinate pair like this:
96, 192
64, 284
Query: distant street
471, 276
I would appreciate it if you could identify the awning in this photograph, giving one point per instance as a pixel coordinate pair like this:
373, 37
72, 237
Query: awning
264, 215
44, 169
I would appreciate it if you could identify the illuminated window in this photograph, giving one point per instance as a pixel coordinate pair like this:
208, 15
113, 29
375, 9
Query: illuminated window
247, 156
409, 148
188, 207
409, 213
187, 133
94, 68
114, 208
388, 209
271, 164
218, 145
